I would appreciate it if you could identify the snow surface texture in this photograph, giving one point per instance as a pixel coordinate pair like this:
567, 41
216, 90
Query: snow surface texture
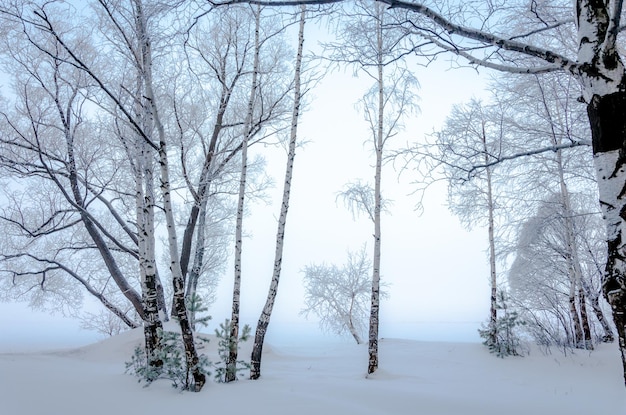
424, 378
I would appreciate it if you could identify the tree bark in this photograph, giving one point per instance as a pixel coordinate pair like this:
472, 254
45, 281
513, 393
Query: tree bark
144, 200
607, 116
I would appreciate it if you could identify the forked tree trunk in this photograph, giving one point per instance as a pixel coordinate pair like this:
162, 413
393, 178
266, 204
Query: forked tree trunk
266, 313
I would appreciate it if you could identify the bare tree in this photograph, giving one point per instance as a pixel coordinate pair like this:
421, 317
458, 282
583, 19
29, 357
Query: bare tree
366, 41
473, 136
339, 296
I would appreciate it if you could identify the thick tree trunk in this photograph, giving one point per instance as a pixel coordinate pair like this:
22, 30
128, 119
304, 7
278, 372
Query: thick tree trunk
144, 199
607, 116
264, 319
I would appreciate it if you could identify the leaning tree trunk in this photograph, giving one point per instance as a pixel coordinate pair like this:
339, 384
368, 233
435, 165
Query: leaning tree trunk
180, 308
264, 319
233, 338
608, 336
351, 327
194, 273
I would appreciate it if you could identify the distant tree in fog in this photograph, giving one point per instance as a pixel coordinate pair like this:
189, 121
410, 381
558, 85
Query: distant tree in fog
339, 295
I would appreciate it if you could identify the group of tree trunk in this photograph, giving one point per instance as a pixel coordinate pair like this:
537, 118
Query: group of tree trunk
96, 113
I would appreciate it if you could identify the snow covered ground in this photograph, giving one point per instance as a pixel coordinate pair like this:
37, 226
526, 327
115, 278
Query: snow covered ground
424, 378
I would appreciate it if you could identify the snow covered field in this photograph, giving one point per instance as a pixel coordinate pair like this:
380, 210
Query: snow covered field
328, 378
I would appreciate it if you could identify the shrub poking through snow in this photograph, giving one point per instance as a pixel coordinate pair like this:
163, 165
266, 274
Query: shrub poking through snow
173, 368
223, 344
501, 338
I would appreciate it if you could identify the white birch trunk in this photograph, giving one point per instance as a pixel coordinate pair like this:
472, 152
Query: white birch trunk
233, 339
604, 79
146, 250
493, 309
378, 145
264, 319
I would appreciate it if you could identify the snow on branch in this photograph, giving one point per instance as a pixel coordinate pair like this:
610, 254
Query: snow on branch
534, 152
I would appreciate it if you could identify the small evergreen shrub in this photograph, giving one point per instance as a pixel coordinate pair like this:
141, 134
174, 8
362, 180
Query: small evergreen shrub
223, 335
501, 338
195, 306
174, 367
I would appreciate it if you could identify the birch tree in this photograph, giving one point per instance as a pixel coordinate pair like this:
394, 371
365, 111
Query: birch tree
553, 116
210, 118
598, 66
233, 340
266, 313
339, 295
366, 42
472, 136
